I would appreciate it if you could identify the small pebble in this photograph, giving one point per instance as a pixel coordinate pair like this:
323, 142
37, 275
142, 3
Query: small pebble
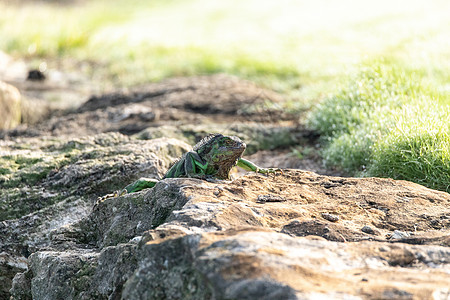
218, 191
136, 240
399, 235
35, 75
270, 198
368, 229
330, 217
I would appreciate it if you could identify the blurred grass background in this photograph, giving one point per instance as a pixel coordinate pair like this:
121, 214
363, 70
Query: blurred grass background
373, 75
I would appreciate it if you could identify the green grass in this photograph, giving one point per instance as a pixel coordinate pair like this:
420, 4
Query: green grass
49, 30
418, 148
388, 121
149, 63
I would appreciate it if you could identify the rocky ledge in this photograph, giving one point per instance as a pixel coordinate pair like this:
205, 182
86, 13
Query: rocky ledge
297, 235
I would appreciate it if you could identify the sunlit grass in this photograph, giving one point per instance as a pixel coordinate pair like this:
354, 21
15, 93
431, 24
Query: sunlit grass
388, 121
52, 30
417, 148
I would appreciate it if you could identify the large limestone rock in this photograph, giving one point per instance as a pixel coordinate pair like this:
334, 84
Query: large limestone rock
9, 106
49, 183
298, 235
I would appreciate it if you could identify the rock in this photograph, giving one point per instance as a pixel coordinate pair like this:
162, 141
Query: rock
330, 217
9, 106
48, 172
10, 266
35, 75
261, 264
49, 184
368, 229
397, 235
192, 239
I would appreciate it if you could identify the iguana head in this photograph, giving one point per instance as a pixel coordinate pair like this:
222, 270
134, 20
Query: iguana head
221, 152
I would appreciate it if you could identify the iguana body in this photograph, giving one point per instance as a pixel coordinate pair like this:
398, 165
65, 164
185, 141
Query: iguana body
212, 158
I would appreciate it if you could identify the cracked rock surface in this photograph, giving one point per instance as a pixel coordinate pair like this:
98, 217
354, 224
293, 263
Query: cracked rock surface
191, 239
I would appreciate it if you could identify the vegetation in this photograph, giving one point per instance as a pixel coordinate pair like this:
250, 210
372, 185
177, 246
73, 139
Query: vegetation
418, 148
388, 122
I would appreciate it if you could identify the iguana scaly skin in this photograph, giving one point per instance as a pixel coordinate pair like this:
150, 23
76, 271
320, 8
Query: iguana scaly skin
212, 158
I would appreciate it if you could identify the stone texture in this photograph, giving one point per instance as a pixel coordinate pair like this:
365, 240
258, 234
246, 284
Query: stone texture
49, 184
192, 239
260, 264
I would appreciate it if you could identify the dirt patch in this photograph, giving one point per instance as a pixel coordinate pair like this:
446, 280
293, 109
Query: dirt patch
197, 100
216, 94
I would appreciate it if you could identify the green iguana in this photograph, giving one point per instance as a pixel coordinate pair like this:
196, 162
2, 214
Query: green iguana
211, 158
